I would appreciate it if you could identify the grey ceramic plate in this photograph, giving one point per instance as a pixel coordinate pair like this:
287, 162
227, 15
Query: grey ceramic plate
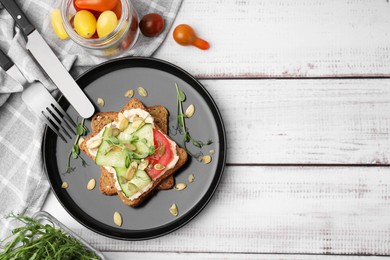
94, 210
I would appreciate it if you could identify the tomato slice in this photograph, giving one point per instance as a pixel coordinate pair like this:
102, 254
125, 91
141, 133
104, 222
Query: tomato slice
163, 154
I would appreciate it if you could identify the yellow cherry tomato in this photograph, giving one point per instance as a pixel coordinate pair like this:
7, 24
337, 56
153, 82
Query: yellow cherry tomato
56, 22
85, 23
106, 23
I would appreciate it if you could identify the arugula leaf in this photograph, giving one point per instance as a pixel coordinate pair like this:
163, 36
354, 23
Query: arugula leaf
35, 240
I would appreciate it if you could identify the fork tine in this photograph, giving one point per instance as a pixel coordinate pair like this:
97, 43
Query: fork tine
51, 126
59, 108
58, 124
60, 118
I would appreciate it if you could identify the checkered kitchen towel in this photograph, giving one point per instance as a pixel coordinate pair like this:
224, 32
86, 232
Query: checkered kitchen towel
23, 185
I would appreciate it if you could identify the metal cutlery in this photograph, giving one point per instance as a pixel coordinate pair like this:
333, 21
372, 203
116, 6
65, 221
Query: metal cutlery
40, 101
49, 62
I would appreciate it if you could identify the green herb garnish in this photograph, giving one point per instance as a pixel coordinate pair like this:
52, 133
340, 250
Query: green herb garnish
181, 124
35, 240
81, 130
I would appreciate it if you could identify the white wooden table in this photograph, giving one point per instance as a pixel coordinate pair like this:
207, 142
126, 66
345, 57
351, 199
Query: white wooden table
304, 90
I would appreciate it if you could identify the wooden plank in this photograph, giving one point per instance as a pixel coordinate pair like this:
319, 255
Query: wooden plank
282, 38
305, 121
300, 210
207, 256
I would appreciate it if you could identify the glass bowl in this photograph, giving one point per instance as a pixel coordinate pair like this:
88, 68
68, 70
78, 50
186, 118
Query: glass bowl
121, 39
45, 218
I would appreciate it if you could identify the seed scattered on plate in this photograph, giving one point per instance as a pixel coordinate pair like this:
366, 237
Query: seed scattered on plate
173, 209
191, 178
190, 111
64, 185
142, 92
212, 152
91, 184
180, 186
129, 93
100, 102
206, 159
117, 219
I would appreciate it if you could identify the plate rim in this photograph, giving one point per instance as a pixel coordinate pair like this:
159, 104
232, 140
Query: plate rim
155, 232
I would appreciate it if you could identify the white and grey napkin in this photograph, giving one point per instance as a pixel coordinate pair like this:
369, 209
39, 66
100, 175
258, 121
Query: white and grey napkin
23, 185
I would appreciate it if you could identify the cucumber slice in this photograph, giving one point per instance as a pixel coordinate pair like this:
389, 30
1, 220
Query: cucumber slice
130, 129
113, 158
128, 188
142, 148
145, 134
124, 137
141, 179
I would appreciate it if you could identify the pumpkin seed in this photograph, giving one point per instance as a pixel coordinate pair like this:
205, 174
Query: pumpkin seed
180, 186
91, 184
142, 92
190, 111
173, 209
161, 150
123, 124
129, 93
115, 131
117, 219
94, 143
131, 147
100, 102
130, 173
64, 185
206, 159
134, 164
115, 148
191, 178
159, 167
144, 163
121, 116
137, 124
81, 139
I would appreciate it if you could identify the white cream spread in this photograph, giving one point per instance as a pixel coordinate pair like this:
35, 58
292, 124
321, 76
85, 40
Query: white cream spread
130, 115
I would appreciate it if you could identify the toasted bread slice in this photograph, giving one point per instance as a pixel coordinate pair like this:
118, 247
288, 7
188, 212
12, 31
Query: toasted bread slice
99, 120
134, 203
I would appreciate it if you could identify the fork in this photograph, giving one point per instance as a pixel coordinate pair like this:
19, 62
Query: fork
40, 101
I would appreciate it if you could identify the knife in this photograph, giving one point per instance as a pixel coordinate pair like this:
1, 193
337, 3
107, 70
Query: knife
9, 67
49, 62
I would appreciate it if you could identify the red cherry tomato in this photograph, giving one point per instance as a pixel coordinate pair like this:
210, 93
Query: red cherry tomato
159, 157
95, 5
151, 25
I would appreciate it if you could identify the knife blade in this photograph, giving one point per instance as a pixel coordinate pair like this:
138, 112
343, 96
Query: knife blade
49, 62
